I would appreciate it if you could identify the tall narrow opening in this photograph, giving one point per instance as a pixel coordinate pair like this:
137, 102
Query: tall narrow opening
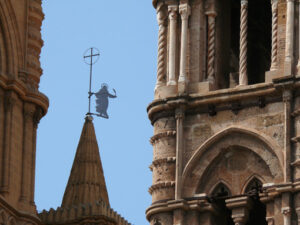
219, 195
259, 39
257, 213
235, 37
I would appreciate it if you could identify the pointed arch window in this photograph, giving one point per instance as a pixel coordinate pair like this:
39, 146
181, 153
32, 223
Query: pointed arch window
221, 190
254, 186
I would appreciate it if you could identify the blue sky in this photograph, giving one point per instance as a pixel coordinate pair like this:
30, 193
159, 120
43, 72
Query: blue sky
125, 32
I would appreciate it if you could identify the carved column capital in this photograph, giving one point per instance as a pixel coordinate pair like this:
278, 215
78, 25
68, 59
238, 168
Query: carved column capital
179, 113
172, 9
211, 13
286, 96
244, 2
185, 11
161, 16
286, 211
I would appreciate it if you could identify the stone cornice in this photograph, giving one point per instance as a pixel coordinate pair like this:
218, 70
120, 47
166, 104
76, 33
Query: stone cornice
19, 87
158, 136
161, 185
223, 96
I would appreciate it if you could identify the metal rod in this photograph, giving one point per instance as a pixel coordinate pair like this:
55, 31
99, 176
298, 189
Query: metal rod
91, 73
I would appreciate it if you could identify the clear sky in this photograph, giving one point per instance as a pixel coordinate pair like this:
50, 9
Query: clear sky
125, 32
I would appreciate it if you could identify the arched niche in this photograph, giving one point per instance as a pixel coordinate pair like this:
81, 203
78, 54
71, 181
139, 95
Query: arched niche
221, 190
252, 185
225, 149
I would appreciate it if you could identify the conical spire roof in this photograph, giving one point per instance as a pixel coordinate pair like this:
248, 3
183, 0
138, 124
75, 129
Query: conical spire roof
86, 182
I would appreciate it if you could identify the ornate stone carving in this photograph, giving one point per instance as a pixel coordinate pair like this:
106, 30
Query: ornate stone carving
274, 63
172, 9
243, 78
211, 40
162, 43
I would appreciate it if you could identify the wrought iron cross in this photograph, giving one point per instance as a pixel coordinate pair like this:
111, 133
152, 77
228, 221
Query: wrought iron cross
91, 56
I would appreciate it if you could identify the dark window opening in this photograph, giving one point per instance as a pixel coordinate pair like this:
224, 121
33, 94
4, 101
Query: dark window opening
259, 39
219, 195
257, 213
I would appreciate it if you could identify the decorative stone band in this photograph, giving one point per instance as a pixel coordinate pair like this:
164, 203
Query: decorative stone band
65, 215
161, 185
158, 136
159, 162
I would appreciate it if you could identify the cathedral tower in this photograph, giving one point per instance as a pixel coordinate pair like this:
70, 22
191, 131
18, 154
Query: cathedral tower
21, 107
226, 113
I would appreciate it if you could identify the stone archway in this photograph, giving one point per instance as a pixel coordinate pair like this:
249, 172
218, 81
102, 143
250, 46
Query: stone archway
232, 141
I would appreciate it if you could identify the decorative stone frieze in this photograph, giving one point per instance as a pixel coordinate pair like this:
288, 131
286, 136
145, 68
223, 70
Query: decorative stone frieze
161, 185
158, 136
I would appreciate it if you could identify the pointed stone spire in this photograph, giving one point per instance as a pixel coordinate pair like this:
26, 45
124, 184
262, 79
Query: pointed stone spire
86, 182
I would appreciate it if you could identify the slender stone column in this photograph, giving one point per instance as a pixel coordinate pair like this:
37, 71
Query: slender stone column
211, 45
179, 150
274, 64
27, 151
36, 119
243, 78
172, 45
162, 43
185, 11
286, 211
289, 43
9, 101
298, 65
287, 98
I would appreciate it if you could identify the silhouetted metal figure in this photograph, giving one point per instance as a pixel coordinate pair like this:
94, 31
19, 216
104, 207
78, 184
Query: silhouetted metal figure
102, 100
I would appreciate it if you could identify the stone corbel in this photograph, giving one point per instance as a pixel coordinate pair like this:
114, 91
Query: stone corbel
240, 207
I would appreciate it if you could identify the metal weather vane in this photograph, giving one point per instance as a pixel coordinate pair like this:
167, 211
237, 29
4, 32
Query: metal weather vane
91, 56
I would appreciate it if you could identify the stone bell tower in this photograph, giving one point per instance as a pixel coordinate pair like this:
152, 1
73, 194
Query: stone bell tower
21, 107
226, 113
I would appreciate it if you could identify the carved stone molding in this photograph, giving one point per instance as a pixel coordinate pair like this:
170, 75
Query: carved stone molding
161, 185
159, 136
37, 116
159, 162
